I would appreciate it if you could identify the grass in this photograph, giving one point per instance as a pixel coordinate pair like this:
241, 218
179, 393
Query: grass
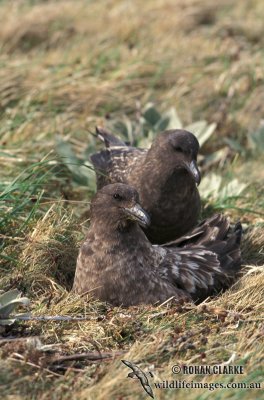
65, 68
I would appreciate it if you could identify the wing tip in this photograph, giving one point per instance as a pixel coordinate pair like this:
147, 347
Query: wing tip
107, 137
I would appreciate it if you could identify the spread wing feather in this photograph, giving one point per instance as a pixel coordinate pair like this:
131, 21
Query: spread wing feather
207, 267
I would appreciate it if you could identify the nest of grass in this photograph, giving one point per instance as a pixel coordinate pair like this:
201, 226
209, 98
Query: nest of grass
87, 353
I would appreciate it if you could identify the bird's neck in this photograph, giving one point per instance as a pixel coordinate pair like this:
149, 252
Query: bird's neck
117, 231
162, 180
121, 243
177, 180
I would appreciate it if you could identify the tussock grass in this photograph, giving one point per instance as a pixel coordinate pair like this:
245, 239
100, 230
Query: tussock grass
50, 252
65, 67
252, 246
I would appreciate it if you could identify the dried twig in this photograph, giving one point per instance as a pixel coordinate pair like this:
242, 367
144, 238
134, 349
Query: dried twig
91, 356
52, 318
33, 365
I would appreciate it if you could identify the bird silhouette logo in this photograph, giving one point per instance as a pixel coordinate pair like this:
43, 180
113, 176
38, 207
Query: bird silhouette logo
141, 375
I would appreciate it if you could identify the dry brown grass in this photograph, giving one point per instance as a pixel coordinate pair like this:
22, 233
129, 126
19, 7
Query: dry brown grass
64, 66
157, 54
